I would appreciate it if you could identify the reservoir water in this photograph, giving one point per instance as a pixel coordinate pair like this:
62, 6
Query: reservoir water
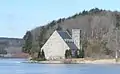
16, 66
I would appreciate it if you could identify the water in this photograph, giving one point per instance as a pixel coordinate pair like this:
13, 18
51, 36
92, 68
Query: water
15, 66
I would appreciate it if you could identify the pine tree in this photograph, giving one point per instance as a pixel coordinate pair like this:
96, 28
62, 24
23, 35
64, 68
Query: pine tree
43, 54
41, 41
27, 42
68, 54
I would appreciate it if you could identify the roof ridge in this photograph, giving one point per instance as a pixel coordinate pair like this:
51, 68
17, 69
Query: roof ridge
69, 34
60, 31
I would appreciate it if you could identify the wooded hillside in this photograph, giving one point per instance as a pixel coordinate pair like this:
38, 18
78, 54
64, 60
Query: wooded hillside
98, 27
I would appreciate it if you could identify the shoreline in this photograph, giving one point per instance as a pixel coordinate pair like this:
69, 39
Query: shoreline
77, 61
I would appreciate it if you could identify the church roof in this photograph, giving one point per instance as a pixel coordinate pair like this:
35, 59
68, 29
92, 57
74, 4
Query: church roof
67, 38
64, 35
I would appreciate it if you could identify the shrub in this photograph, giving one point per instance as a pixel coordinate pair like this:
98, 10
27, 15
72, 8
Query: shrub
68, 54
80, 54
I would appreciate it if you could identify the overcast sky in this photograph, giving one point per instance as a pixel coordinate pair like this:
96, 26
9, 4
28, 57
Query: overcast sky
18, 16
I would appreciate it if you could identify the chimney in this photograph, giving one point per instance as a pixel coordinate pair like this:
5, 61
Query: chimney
76, 36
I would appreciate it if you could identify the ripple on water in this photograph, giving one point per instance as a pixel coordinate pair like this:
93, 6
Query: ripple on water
15, 66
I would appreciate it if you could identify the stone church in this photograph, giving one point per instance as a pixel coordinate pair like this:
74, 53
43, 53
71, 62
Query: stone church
59, 42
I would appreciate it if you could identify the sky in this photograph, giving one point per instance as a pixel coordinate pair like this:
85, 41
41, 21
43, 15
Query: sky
19, 16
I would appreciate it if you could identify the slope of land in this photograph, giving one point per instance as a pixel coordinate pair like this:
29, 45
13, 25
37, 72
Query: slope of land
98, 28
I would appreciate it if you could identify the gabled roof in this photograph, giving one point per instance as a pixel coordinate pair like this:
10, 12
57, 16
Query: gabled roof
65, 35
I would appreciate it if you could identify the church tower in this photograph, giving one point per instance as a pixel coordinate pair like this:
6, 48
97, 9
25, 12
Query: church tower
76, 36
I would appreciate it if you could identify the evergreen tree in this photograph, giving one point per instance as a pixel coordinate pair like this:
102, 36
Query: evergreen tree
95, 10
59, 28
43, 54
41, 40
79, 54
68, 54
27, 42
74, 16
84, 12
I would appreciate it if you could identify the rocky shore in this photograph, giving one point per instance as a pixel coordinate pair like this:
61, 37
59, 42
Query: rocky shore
78, 61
